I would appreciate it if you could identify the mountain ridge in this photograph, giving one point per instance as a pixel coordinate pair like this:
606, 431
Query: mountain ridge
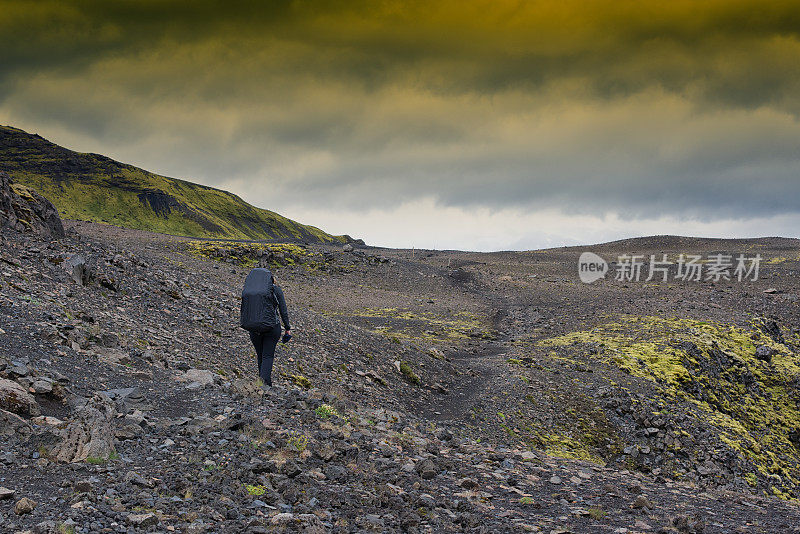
97, 188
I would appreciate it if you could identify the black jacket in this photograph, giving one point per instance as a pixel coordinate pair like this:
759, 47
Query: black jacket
282, 306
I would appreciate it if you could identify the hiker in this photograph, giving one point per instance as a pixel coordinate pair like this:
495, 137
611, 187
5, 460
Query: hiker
262, 301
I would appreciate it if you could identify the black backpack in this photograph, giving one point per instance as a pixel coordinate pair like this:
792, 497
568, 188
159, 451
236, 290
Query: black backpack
259, 310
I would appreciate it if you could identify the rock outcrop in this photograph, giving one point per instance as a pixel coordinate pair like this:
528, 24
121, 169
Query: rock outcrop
89, 435
23, 209
15, 399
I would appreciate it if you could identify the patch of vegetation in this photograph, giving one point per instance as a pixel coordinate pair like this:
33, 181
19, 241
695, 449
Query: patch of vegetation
249, 254
324, 411
298, 380
297, 441
567, 447
597, 513
583, 432
257, 434
753, 403
408, 373
414, 325
256, 490
99, 460
782, 259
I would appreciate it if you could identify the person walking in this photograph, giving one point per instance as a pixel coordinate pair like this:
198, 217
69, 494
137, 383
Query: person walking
263, 310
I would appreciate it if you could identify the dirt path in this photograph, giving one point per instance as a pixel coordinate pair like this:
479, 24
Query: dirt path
480, 371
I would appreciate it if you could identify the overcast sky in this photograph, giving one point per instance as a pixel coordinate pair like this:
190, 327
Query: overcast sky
451, 124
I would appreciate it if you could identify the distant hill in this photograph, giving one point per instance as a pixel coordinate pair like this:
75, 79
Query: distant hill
96, 188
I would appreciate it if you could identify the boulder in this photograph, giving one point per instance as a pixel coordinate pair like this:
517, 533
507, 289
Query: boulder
14, 398
77, 269
771, 328
765, 353
42, 386
12, 424
198, 378
90, 434
426, 469
23, 209
24, 506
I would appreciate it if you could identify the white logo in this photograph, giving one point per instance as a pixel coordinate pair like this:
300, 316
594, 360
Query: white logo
591, 267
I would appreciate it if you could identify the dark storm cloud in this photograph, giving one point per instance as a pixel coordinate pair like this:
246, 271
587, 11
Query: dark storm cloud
640, 108
745, 50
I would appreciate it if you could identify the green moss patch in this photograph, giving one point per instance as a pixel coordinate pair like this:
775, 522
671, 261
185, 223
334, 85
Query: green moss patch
249, 254
753, 403
414, 325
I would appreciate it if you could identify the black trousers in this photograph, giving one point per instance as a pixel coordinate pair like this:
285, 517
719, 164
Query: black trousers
265, 343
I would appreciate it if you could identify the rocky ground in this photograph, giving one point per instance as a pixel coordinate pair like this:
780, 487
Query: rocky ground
424, 391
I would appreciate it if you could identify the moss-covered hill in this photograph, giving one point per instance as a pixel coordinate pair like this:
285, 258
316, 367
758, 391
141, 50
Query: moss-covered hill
95, 188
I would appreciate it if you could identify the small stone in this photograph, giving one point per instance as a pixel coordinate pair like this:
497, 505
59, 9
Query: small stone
555, 479
24, 506
291, 469
426, 469
109, 340
42, 387
681, 522
468, 483
282, 518
47, 527
132, 477
374, 520
641, 502
6, 493
198, 378
46, 420
143, 520
765, 353
83, 486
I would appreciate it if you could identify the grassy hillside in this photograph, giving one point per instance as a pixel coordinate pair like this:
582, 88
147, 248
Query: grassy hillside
95, 188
